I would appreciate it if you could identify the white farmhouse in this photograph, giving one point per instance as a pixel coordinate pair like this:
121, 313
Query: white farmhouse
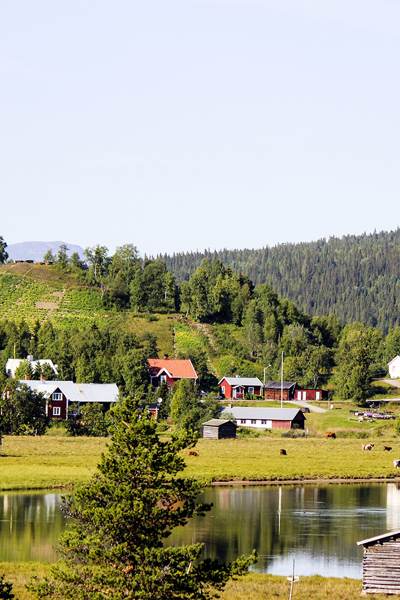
394, 367
13, 363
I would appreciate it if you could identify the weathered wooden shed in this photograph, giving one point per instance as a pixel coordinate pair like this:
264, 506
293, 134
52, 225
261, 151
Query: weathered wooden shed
219, 429
381, 564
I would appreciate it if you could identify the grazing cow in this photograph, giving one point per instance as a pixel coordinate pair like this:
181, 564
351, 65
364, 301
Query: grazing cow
388, 448
367, 446
331, 434
282, 451
396, 464
192, 453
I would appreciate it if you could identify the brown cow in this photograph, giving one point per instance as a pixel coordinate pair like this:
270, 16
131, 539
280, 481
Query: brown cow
388, 448
282, 451
193, 453
331, 434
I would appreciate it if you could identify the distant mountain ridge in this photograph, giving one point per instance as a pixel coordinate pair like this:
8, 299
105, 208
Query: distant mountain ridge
36, 250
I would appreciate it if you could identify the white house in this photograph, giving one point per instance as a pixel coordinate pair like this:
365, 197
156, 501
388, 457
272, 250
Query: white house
265, 418
13, 363
394, 367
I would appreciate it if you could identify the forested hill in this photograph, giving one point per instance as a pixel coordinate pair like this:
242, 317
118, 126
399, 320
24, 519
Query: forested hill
355, 277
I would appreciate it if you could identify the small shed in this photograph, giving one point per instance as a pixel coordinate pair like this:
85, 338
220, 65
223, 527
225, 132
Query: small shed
219, 429
381, 564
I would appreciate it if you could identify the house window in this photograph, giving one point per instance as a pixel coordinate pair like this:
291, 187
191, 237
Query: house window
253, 421
163, 379
243, 421
263, 422
56, 396
251, 390
223, 390
56, 411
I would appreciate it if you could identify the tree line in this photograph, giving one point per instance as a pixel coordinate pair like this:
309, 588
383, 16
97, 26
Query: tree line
354, 277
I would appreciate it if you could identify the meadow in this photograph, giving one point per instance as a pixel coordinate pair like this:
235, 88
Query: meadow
56, 461
253, 586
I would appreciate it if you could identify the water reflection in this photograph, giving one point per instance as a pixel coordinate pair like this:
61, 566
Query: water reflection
317, 525
30, 525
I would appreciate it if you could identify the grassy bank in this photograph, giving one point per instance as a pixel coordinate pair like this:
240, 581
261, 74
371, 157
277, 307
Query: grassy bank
48, 461
51, 461
252, 587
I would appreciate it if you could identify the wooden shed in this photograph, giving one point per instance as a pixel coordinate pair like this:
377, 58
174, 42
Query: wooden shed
381, 564
219, 429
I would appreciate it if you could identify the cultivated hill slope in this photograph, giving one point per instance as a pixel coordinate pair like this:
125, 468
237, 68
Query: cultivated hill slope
36, 293
355, 277
39, 293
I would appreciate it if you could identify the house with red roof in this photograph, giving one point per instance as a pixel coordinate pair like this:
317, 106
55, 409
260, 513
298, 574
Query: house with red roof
170, 370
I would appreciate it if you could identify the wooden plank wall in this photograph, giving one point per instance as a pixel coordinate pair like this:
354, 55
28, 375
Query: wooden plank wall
381, 567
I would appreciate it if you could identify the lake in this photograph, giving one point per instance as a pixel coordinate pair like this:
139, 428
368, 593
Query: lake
318, 525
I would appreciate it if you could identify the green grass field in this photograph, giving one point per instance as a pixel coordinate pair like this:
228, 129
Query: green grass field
48, 461
52, 461
253, 586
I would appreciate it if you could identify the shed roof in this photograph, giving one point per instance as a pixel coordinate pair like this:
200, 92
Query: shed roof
276, 385
238, 381
176, 369
378, 538
269, 414
76, 392
218, 422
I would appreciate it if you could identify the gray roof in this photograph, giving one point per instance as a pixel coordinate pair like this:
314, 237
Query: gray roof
235, 381
218, 422
276, 385
379, 537
76, 392
269, 414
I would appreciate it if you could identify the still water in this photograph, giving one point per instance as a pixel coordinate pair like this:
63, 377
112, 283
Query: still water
317, 525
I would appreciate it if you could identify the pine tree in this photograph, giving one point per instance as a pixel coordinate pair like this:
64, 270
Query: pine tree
114, 547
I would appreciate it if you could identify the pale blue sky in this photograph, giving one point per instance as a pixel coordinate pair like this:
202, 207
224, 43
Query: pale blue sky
183, 125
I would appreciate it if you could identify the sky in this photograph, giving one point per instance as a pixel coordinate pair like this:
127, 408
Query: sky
180, 125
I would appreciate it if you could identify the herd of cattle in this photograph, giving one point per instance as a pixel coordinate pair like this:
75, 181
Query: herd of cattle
396, 463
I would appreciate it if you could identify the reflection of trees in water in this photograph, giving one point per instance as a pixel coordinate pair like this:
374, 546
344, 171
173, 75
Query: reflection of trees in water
324, 521
30, 525
310, 520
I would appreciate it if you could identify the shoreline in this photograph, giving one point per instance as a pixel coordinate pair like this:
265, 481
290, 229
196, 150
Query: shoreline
241, 483
324, 481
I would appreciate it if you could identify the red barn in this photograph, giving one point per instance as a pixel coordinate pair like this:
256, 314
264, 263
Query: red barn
302, 394
170, 371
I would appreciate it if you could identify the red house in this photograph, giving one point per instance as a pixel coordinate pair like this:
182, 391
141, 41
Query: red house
60, 394
170, 371
237, 387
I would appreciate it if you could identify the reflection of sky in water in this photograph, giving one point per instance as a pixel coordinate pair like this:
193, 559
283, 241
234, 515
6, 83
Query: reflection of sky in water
393, 507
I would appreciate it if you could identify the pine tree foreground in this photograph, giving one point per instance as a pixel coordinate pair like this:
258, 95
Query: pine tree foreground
114, 547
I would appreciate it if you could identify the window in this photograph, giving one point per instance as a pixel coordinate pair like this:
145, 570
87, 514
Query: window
243, 421
163, 379
223, 390
253, 421
56, 396
263, 422
251, 391
56, 411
